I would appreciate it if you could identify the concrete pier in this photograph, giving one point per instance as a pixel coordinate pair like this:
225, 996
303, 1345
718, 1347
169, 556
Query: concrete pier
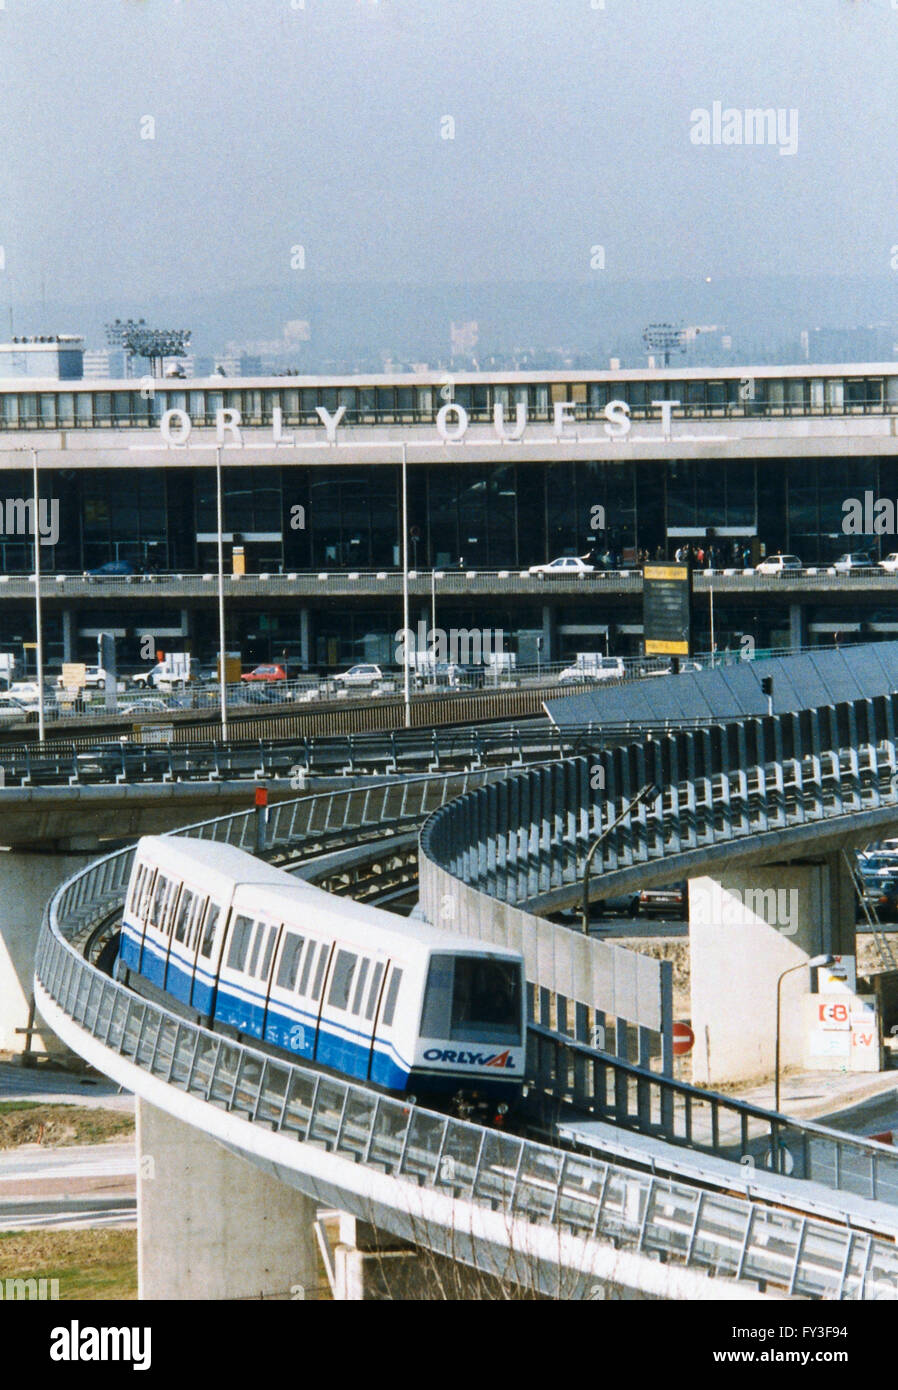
212, 1226
746, 927
26, 883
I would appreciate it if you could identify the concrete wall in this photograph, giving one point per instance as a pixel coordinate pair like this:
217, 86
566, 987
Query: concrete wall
27, 882
745, 928
611, 979
211, 1225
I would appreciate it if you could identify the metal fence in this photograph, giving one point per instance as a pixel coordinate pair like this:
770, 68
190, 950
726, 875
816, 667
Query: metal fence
632, 1097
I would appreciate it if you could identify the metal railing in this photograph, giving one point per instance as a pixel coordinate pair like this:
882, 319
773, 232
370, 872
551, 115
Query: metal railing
605, 1088
530, 1182
83, 762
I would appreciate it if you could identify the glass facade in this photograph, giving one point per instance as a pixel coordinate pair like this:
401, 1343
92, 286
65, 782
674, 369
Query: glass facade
487, 516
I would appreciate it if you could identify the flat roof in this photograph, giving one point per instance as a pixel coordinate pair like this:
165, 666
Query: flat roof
438, 376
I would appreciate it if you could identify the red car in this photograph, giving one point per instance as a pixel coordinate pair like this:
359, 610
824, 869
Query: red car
265, 673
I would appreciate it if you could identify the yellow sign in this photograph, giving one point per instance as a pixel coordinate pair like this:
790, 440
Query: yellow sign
666, 571
666, 648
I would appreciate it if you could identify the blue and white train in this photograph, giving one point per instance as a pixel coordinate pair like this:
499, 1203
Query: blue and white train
245, 946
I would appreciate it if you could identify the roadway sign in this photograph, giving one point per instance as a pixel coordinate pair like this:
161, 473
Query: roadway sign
683, 1039
73, 674
667, 609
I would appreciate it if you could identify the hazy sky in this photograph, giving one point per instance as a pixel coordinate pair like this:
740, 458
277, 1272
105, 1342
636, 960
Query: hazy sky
278, 124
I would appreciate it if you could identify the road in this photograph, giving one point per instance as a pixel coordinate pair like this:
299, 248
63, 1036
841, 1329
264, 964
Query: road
72, 1188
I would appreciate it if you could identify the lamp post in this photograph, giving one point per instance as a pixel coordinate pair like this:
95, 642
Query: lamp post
38, 618
406, 671
648, 790
222, 676
813, 964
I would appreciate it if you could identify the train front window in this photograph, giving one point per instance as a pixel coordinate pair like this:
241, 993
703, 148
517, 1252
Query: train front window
486, 1001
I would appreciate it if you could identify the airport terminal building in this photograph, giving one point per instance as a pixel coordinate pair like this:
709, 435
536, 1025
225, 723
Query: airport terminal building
503, 471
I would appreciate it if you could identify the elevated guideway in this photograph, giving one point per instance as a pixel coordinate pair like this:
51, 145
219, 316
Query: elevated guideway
451, 1186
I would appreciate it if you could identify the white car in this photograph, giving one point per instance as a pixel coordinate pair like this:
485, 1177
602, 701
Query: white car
890, 563
853, 560
605, 668
366, 673
779, 564
566, 565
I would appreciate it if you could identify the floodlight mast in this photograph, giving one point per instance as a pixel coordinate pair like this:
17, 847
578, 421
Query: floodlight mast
155, 344
664, 338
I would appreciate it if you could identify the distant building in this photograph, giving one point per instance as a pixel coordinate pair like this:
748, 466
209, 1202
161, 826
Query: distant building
57, 357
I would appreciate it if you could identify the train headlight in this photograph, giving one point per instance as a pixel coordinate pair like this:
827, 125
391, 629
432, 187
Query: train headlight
502, 1109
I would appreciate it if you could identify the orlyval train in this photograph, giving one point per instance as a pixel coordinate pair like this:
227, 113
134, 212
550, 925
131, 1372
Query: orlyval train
246, 947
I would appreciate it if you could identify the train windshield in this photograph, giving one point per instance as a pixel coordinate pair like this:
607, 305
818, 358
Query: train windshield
473, 999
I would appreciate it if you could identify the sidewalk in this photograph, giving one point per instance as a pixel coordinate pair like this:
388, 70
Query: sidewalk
830, 1098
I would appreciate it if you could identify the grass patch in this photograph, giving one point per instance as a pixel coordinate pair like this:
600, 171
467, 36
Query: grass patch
29, 1122
88, 1264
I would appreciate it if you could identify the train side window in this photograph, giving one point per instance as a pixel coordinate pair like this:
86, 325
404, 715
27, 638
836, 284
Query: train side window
138, 887
319, 973
146, 893
307, 967
185, 909
341, 980
288, 966
265, 967
199, 914
156, 912
241, 932
392, 995
360, 986
254, 953
212, 918
375, 989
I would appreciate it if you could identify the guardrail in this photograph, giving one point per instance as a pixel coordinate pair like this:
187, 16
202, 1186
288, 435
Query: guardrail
534, 1184
632, 1097
449, 583
82, 762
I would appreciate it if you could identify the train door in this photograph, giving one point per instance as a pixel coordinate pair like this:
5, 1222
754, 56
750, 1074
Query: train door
388, 1066
208, 953
373, 1003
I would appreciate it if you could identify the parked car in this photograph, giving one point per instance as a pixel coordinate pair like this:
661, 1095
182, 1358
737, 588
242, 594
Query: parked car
853, 560
363, 675
565, 565
265, 673
112, 567
778, 565
150, 706
664, 902
12, 711
890, 563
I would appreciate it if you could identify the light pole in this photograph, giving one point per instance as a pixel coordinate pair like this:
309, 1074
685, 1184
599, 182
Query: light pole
648, 790
405, 679
38, 620
814, 963
222, 676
